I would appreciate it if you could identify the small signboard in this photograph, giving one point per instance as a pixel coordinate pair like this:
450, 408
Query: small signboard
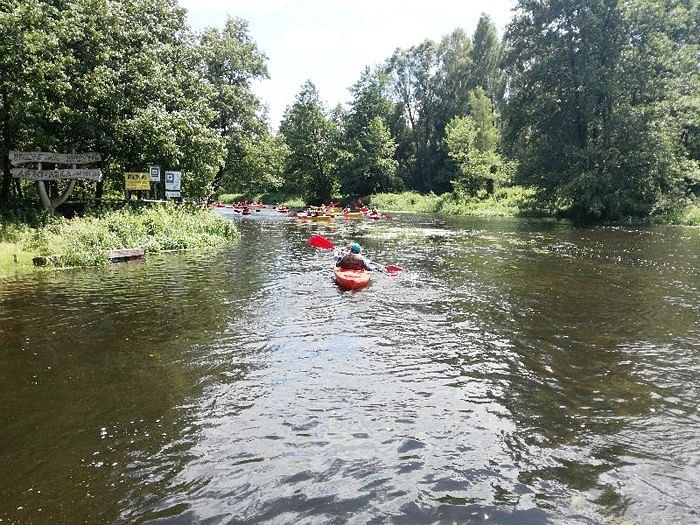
172, 194
137, 181
155, 173
173, 180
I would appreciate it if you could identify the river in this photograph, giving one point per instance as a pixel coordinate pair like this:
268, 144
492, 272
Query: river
515, 372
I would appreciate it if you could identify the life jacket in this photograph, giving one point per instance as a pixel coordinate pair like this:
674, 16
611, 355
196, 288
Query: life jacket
352, 261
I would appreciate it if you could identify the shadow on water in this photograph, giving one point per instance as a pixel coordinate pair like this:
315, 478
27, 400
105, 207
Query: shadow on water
516, 372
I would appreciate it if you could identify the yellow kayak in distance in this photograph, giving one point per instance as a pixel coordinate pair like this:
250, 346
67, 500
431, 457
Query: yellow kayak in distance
321, 218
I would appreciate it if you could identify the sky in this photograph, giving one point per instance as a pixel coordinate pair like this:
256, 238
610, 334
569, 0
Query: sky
330, 42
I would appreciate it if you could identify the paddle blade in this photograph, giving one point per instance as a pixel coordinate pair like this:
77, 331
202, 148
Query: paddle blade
320, 242
393, 268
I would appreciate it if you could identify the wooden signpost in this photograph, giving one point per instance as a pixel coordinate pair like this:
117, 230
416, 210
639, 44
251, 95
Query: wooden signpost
40, 175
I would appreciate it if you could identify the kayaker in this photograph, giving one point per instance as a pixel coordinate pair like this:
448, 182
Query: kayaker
352, 260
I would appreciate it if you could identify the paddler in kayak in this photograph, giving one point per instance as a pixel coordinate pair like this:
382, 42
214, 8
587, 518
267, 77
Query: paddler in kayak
352, 260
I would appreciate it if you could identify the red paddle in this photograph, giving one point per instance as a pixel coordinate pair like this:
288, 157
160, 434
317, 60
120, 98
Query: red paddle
320, 242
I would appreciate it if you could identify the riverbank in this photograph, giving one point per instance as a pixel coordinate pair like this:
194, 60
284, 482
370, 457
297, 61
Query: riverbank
84, 241
504, 202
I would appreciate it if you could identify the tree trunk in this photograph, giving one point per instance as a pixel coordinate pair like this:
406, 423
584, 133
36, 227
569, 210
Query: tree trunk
5, 151
99, 190
18, 189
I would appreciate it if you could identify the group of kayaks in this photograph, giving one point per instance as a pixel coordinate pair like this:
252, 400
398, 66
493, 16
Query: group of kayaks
328, 214
244, 208
312, 214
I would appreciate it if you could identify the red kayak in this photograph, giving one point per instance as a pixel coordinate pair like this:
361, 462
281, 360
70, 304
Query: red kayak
351, 279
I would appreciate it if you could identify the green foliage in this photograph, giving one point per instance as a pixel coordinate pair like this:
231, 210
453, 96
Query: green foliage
312, 138
689, 216
84, 241
232, 61
366, 161
472, 143
600, 98
260, 165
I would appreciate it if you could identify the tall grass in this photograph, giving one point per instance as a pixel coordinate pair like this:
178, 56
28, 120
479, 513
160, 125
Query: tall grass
84, 241
504, 202
690, 216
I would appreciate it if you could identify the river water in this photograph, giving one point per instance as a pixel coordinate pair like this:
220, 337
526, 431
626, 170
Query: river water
516, 372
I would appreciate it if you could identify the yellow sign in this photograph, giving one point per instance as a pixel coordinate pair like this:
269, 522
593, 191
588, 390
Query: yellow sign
137, 181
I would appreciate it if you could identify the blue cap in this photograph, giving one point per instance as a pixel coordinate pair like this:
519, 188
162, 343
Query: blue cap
355, 248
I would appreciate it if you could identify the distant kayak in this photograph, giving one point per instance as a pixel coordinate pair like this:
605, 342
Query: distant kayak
351, 279
321, 218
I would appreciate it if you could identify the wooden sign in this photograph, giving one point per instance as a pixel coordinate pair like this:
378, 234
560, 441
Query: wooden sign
137, 181
22, 157
72, 173
39, 176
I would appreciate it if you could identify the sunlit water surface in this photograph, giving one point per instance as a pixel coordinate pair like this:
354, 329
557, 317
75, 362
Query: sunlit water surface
516, 372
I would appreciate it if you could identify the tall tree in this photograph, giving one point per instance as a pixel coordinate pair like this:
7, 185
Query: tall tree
312, 139
429, 85
232, 61
486, 59
366, 164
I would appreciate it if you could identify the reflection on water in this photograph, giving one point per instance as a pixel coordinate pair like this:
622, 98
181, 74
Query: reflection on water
517, 372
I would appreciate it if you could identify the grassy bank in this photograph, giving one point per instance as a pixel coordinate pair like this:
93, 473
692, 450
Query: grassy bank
690, 216
504, 202
84, 241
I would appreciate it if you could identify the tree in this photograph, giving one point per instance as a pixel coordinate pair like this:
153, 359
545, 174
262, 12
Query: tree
473, 143
130, 81
367, 164
486, 58
312, 140
231, 62
260, 165
429, 83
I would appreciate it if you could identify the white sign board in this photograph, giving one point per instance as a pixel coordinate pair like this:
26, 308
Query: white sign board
155, 173
173, 180
172, 194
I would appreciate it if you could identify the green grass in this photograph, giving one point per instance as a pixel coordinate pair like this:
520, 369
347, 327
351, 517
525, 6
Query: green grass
14, 259
84, 241
504, 202
690, 216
